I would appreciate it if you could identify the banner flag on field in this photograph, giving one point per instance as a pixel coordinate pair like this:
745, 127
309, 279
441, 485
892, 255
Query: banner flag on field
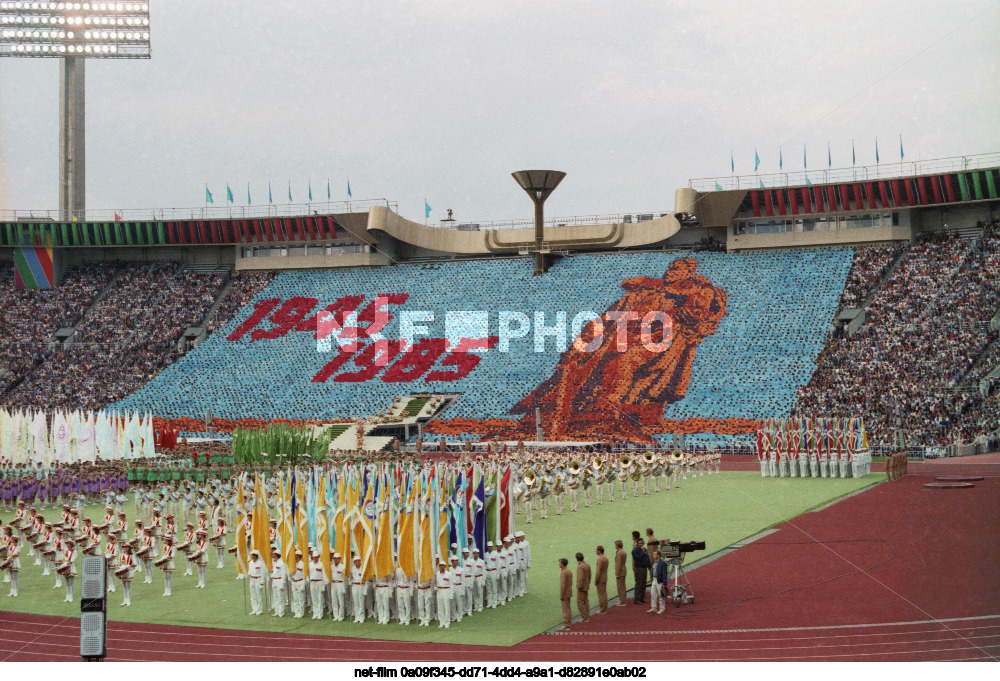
241, 528
322, 530
479, 515
260, 541
384, 534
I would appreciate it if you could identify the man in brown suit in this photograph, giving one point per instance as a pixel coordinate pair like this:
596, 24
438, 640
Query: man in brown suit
620, 571
582, 587
565, 591
601, 580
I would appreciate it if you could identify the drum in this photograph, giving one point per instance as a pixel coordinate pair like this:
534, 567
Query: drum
122, 572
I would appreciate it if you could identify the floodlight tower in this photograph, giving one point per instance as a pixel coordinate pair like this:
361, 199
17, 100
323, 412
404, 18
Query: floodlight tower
73, 32
539, 184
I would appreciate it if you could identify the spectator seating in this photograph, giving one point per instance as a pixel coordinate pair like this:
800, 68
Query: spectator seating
779, 306
123, 342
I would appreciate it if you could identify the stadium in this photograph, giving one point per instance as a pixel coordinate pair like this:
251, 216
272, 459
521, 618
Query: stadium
800, 369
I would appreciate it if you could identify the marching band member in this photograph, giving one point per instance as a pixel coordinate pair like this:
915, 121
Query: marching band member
12, 564
256, 571
358, 591
574, 492
124, 573
200, 557
338, 588
156, 530
317, 585
442, 584
166, 563
219, 540
279, 581
111, 554
190, 539
145, 554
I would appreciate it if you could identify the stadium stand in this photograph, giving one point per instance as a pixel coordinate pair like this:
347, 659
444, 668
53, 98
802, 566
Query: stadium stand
124, 341
934, 308
265, 362
245, 285
30, 317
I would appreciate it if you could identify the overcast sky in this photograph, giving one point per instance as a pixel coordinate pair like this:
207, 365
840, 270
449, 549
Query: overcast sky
443, 100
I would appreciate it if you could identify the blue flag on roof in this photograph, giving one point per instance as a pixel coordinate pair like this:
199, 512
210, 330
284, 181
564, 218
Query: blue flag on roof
427, 209
289, 191
208, 195
229, 194
348, 187
781, 160
328, 189
762, 184
804, 165
808, 181
269, 198
853, 157
310, 190
248, 194
900, 148
829, 158
732, 163
718, 187
876, 150
756, 160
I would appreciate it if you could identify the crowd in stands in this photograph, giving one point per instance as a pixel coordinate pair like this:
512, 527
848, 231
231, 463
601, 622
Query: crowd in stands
869, 266
129, 336
245, 286
925, 329
711, 244
30, 317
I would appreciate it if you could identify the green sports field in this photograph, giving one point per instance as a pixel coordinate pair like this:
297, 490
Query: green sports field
721, 509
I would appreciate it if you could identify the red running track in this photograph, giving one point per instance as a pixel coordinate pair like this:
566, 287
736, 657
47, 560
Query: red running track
897, 573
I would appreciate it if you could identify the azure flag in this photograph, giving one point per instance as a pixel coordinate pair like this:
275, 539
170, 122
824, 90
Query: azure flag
229, 194
756, 160
732, 163
804, 156
876, 151
249, 202
781, 160
328, 189
762, 184
900, 148
270, 199
853, 157
310, 190
829, 158
427, 209
208, 195
718, 187
289, 191
348, 187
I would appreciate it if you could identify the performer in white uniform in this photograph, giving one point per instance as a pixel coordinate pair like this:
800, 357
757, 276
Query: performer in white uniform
297, 576
478, 580
256, 571
279, 579
442, 586
404, 594
317, 585
338, 588
358, 591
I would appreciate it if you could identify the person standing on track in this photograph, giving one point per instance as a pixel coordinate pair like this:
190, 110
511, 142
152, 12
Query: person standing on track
640, 569
565, 592
583, 576
621, 571
601, 580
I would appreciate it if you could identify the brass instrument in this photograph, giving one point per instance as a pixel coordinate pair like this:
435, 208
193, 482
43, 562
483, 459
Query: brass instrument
545, 486
557, 488
648, 458
518, 489
529, 478
637, 473
626, 461
575, 467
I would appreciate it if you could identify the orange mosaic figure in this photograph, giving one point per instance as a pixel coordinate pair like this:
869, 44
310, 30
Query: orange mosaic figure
602, 386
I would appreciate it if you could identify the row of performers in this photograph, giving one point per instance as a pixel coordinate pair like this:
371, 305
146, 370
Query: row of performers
463, 584
790, 461
547, 479
57, 546
38, 489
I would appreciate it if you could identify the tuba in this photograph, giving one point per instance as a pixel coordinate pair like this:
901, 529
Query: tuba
598, 470
648, 459
557, 488
575, 467
625, 463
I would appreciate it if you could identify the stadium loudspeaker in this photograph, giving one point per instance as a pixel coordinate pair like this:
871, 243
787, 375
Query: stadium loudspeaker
94, 608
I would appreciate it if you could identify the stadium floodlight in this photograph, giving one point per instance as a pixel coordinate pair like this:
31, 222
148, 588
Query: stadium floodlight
74, 32
91, 30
